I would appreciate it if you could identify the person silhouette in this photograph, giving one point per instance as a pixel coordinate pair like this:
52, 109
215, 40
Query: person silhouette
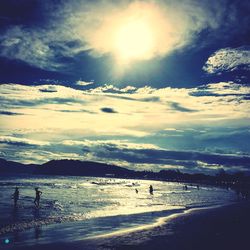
38, 196
15, 196
151, 190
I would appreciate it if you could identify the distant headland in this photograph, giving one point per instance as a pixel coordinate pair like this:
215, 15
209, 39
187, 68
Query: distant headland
68, 167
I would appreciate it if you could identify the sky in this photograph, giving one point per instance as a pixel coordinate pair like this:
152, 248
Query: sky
148, 85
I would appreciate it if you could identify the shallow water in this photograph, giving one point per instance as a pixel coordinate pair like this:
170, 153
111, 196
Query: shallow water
99, 205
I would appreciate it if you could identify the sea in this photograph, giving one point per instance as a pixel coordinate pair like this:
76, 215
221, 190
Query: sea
78, 208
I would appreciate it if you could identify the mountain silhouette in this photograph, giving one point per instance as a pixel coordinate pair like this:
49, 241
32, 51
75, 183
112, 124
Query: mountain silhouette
65, 167
97, 169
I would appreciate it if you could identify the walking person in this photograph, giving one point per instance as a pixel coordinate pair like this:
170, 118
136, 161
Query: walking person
151, 190
38, 196
15, 196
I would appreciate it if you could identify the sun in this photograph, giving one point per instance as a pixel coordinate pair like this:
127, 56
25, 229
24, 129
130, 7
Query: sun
138, 32
134, 40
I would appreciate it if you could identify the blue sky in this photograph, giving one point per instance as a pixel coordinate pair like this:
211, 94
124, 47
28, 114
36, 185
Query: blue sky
143, 84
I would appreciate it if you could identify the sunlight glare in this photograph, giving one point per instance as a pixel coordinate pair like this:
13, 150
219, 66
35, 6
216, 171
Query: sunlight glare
134, 40
141, 31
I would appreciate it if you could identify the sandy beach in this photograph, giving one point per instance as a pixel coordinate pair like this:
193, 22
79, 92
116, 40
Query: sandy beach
224, 227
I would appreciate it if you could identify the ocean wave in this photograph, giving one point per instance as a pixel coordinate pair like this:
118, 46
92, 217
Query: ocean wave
25, 225
21, 226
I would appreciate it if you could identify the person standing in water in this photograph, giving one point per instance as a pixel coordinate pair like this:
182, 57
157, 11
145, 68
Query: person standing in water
15, 196
151, 190
38, 196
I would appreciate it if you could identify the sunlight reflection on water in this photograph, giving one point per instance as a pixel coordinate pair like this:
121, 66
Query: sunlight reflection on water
67, 199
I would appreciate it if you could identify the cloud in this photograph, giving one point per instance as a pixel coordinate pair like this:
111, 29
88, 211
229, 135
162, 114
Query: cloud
76, 111
40, 95
140, 107
124, 150
109, 88
178, 107
108, 110
83, 83
174, 24
4, 112
48, 89
228, 59
11, 140
42, 101
173, 130
137, 156
155, 127
222, 89
33, 155
30, 46
132, 153
73, 28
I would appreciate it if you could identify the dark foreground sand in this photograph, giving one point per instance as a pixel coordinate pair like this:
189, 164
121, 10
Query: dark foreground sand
217, 228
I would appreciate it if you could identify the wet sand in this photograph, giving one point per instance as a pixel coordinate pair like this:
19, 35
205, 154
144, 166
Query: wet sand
225, 227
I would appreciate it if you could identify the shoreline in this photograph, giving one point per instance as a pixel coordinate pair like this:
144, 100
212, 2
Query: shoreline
178, 231
222, 227
161, 221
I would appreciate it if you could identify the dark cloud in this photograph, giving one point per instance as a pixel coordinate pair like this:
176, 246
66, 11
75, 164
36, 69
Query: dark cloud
4, 112
41, 101
14, 143
148, 99
48, 90
211, 93
188, 159
134, 154
77, 111
180, 108
108, 110
222, 89
224, 139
